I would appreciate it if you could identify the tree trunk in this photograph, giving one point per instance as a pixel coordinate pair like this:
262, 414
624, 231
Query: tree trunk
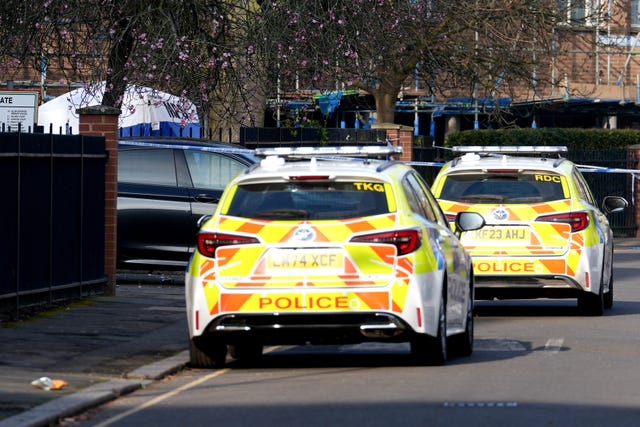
385, 106
119, 54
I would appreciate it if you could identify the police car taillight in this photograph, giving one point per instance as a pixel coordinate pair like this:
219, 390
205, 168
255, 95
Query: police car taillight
450, 217
209, 242
406, 241
577, 220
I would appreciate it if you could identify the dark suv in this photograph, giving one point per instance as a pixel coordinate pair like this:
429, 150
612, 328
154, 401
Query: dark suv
165, 188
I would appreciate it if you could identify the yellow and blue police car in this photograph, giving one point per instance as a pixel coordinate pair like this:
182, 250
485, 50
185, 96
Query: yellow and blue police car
329, 245
545, 235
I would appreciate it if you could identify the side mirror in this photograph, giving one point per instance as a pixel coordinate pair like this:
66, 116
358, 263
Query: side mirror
613, 204
468, 221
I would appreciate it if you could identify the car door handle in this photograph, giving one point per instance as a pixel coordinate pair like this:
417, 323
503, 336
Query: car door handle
205, 198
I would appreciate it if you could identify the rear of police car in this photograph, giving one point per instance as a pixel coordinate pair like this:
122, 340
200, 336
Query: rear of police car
306, 252
544, 236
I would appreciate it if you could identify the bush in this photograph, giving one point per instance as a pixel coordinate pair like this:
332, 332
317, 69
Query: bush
573, 139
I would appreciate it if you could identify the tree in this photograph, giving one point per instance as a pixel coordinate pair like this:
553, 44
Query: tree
185, 47
227, 55
465, 47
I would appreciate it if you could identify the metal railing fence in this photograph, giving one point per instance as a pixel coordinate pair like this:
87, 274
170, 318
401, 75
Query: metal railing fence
52, 219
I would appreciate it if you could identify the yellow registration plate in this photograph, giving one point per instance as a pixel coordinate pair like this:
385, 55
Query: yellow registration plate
493, 235
280, 260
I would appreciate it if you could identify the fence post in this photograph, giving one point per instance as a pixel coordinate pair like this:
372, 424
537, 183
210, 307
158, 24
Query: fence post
99, 120
399, 135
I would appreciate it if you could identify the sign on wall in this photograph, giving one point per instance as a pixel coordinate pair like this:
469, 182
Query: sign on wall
18, 108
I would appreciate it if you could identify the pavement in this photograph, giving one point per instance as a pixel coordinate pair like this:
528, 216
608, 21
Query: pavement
103, 347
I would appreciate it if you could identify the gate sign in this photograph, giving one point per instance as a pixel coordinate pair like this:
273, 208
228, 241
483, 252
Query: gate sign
18, 108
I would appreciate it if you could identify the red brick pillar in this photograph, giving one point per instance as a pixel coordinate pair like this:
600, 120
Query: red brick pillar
633, 159
103, 121
399, 135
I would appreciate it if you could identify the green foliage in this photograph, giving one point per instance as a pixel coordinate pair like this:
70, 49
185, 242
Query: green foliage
573, 139
303, 120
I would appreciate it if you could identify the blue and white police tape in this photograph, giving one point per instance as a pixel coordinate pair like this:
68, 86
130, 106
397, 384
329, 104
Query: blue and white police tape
600, 169
433, 164
246, 151
187, 146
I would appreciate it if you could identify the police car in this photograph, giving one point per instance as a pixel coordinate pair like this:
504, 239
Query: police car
329, 245
545, 235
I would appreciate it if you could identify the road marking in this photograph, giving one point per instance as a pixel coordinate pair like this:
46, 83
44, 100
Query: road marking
161, 398
172, 393
554, 345
480, 404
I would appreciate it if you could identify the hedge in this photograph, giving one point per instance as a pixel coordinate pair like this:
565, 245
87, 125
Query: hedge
573, 139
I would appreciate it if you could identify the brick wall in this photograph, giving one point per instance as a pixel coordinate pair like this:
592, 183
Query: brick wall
103, 121
399, 135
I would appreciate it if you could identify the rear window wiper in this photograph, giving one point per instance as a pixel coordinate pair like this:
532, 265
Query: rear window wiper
282, 214
483, 197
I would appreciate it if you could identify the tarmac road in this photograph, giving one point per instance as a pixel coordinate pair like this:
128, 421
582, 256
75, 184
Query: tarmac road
103, 347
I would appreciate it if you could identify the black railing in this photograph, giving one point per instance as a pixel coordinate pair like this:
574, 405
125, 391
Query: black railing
261, 137
611, 184
52, 221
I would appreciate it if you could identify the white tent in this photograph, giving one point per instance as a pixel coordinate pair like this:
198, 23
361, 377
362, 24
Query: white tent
145, 111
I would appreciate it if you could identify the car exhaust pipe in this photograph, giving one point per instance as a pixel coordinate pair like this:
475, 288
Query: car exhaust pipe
377, 330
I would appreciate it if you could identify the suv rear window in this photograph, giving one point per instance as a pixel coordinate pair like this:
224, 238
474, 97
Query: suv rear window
504, 187
309, 200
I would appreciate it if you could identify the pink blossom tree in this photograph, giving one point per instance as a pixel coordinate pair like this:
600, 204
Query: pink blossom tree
228, 55
191, 48
463, 48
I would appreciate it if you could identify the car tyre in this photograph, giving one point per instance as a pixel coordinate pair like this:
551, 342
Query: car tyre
608, 296
462, 344
246, 351
428, 350
592, 304
207, 355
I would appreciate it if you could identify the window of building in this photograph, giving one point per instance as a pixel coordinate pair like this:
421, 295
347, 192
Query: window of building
635, 13
581, 12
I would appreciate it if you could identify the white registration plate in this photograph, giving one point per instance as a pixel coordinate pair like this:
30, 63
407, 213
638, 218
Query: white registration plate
494, 235
329, 261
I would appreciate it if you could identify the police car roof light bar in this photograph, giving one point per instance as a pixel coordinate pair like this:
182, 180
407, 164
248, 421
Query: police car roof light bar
524, 149
347, 151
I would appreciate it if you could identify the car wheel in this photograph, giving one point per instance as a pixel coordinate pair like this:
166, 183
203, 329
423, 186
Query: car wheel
429, 350
207, 355
608, 296
246, 351
462, 344
592, 304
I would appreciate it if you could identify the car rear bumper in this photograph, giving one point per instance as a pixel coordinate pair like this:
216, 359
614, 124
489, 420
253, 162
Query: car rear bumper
313, 328
526, 287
